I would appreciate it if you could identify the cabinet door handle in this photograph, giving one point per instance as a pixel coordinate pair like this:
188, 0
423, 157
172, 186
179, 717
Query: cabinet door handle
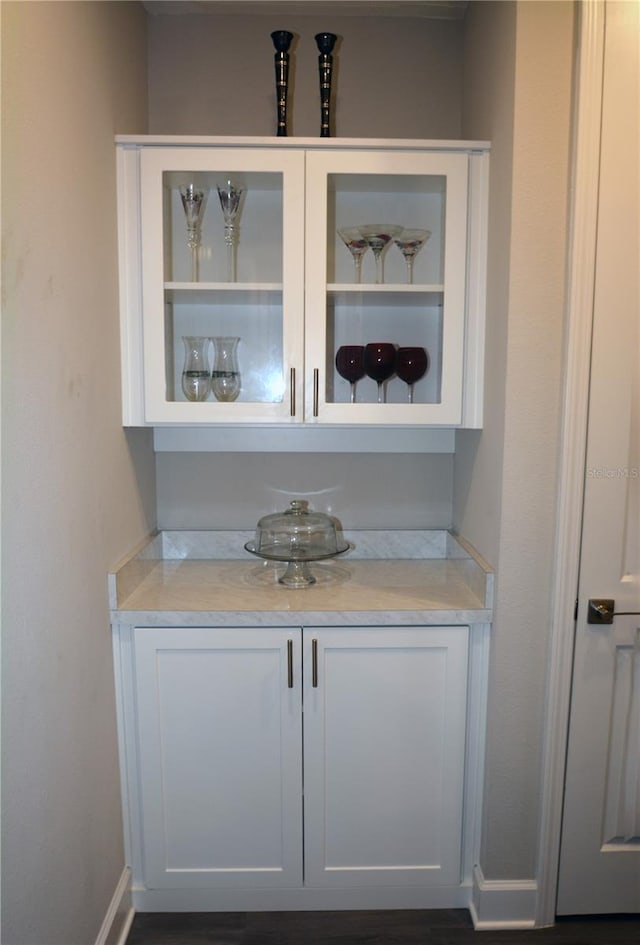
290, 664
315, 391
314, 664
292, 392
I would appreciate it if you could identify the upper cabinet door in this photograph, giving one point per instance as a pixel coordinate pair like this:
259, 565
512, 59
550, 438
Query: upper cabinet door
222, 282
398, 282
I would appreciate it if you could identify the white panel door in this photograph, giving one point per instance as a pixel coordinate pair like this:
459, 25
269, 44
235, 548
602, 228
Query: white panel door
220, 742
384, 737
600, 850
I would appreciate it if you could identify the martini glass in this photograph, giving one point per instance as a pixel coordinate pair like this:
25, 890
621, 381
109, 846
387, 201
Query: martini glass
410, 242
357, 246
411, 364
378, 236
194, 201
379, 364
350, 365
231, 197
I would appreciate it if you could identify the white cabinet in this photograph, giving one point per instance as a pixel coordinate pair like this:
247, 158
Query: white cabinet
219, 734
222, 747
384, 749
293, 300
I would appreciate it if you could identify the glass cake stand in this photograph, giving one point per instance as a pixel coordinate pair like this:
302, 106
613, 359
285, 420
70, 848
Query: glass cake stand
298, 573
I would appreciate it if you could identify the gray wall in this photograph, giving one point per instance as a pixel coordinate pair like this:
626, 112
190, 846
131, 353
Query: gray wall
395, 77
506, 480
77, 491
500, 489
364, 490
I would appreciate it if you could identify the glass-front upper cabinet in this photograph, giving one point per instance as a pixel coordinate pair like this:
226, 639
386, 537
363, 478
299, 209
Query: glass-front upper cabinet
222, 284
302, 282
386, 286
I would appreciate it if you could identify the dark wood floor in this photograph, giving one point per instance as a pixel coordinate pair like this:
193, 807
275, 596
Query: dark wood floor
407, 927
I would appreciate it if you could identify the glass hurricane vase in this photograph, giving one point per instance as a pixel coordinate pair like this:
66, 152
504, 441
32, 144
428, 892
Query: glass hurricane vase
225, 377
196, 373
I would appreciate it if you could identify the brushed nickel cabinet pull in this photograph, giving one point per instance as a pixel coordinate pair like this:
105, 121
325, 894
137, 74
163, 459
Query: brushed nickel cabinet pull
315, 391
314, 664
292, 394
290, 664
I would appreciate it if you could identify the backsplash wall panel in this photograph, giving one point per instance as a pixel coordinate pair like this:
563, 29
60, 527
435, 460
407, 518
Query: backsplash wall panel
363, 490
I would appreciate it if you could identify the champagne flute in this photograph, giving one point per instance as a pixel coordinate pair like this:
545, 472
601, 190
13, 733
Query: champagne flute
194, 201
357, 246
412, 363
378, 236
379, 364
350, 365
231, 196
410, 242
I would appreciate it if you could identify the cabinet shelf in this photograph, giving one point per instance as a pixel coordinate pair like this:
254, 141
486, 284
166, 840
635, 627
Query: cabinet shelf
353, 296
236, 293
348, 287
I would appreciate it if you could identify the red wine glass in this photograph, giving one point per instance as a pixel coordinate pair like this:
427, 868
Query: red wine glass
379, 364
350, 365
411, 364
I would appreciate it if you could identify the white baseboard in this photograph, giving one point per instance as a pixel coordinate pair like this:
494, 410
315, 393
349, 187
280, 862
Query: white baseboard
117, 921
302, 899
502, 903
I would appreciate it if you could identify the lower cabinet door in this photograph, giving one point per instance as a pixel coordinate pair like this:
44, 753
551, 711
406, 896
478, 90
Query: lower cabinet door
219, 740
384, 748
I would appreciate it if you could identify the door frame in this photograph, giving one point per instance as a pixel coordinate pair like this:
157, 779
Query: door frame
585, 172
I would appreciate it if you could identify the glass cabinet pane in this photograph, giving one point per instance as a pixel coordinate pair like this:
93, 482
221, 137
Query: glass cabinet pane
255, 317
401, 202
394, 318
216, 233
391, 267
253, 236
223, 277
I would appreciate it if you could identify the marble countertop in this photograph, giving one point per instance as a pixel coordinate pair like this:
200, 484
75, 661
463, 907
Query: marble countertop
186, 578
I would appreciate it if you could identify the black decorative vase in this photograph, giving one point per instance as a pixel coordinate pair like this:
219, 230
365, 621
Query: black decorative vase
325, 43
282, 41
